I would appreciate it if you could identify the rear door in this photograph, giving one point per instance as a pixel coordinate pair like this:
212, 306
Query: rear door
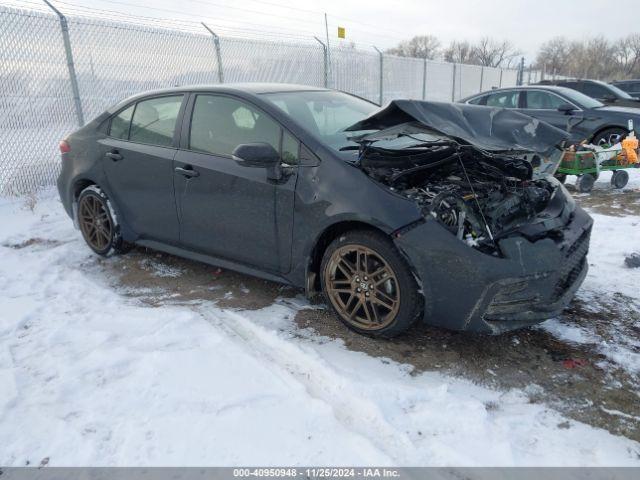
138, 163
227, 209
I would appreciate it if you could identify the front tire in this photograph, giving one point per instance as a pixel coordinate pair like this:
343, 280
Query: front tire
98, 224
369, 284
610, 136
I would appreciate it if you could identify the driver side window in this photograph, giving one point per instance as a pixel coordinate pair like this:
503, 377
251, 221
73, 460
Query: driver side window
219, 124
539, 100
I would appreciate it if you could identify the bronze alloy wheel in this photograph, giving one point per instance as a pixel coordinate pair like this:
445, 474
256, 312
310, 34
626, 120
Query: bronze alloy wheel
95, 222
362, 287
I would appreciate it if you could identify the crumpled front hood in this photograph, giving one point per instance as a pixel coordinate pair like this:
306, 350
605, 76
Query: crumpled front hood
488, 128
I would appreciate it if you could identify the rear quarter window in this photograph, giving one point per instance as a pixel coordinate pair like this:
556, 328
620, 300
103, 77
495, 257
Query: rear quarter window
119, 127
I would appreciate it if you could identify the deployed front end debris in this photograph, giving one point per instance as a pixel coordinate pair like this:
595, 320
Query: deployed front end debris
503, 238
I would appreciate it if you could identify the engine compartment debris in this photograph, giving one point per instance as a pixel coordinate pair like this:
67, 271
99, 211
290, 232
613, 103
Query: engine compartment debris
481, 172
476, 195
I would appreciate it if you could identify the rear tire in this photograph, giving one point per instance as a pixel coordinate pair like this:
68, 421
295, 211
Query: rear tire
619, 179
98, 223
369, 284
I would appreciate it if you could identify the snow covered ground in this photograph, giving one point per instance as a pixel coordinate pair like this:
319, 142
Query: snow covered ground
91, 375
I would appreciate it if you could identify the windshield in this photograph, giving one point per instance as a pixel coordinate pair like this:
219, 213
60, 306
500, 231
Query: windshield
325, 113
620, 93
581, 99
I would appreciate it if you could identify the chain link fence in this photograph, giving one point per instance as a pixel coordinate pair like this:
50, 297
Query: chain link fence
57, 71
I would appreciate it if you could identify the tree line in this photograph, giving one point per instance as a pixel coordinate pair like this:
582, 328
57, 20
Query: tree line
594, 57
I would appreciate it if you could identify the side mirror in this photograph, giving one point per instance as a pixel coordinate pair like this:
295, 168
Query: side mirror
566, 108
609, 98
259, 155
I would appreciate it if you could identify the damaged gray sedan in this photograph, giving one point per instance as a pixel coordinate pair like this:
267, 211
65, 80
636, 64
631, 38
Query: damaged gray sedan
501, 244
446, 213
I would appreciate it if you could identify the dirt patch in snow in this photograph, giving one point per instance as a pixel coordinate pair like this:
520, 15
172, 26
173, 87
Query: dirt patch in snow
158, 277
609, 201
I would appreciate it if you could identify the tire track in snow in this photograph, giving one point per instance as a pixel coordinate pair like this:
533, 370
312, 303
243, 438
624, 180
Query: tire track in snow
356, 413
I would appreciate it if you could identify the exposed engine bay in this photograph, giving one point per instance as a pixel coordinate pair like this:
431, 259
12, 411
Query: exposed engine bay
481, 172
476, 195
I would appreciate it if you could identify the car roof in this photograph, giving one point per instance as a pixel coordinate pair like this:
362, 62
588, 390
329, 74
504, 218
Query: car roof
551, 88
633, 80
251, 88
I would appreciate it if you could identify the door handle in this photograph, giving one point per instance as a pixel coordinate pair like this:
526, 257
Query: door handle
114, 155
187, 171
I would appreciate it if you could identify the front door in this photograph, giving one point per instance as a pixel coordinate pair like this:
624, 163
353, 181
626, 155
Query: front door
544, 106
227, 209
138, 163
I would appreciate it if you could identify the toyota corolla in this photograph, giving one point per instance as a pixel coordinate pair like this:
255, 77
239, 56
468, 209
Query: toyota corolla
446, 213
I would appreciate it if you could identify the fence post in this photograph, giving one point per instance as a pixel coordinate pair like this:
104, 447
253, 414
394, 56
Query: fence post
326, 62
216, 44
500, 83
453, 83
424, 80
70, 65
520, 77
381, 74
481, 76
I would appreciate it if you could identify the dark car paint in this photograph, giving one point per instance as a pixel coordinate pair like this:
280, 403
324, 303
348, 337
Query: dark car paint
323, 194
624, 84
583, 124
613, 98
486, 128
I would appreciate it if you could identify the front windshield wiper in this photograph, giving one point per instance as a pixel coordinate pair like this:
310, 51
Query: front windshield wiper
349, 147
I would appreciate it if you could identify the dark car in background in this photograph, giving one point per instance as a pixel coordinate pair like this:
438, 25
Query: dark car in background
583, 117
394, 214
632, 87
604, 92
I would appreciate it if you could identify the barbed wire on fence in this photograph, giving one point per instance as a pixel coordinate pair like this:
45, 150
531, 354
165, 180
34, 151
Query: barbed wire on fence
59, 70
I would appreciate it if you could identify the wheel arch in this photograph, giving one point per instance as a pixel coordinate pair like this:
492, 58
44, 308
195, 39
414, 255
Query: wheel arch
604, 129
330, 233
79, 185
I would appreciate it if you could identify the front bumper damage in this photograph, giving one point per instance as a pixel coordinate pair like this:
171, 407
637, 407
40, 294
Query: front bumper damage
465, 289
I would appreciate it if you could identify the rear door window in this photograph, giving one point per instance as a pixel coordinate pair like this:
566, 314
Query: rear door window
478, 100
154, 120
508, 99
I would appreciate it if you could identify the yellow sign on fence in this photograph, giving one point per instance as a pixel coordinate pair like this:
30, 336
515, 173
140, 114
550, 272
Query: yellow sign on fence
341, 32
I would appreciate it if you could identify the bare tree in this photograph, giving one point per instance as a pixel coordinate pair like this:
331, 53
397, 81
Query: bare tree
553, 56
493, 53
459, 52
421, 46
627, 55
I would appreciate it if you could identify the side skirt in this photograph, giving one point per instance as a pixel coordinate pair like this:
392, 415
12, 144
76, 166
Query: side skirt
216, 262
